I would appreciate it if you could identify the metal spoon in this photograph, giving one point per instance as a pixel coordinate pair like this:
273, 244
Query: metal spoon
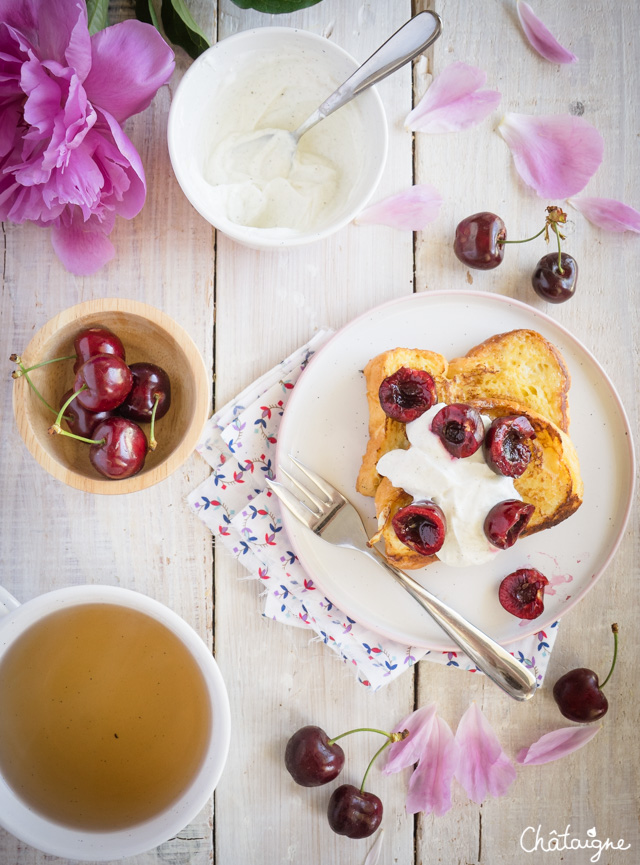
411, 39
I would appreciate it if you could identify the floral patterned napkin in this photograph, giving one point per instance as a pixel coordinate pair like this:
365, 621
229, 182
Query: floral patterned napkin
239, 442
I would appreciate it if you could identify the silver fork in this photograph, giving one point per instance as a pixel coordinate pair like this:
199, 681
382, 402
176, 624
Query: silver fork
331, 516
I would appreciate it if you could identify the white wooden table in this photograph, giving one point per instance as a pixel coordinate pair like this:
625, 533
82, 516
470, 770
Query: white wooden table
246, 310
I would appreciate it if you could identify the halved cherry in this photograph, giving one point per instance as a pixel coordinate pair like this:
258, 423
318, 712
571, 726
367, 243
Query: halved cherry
521, 593
421, 526
506, 521
505, 445
407, 394
460, 429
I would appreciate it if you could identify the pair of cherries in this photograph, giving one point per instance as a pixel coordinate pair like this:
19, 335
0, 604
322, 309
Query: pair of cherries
313, 759
480, 242
107, 402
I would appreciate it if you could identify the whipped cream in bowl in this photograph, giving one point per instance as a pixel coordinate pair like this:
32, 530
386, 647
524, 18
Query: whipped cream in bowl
231, 148
464, 488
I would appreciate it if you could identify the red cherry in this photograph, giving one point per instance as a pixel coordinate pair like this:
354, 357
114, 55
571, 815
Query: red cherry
506, 521
123, 451
421, 526
149, 380
407, 394
521, 593
108, 380
479, 241
96, 340
578, 694
311, 759
505, 445
80, 421
354, 812
460, 429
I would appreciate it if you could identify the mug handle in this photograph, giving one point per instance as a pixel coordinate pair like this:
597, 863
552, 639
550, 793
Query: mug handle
7, 602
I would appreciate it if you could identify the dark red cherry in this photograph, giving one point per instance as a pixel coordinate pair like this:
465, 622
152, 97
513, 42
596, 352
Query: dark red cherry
579, 697
578, 694
521, 593
407, 393
506, 521
148, 380
478, 240
505, 445
96, 340
354, 813
460, 429
108, 380
552, 285
310, 758
79, 420
123, 451
421, 526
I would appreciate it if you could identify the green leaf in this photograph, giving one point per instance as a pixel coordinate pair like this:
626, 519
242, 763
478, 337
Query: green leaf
275, 7
146, 12
181, 29
97, 14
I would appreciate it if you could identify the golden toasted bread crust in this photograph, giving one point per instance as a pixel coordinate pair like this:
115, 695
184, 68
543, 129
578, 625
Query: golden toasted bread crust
517, 373
521, 366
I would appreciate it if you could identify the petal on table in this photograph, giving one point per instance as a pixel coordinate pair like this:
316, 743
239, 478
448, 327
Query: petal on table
483, 767
541, 38
129, 62
409, 210
82, 247
556, 154
454, 101
557, 744
608, 213
405, 753
430, 783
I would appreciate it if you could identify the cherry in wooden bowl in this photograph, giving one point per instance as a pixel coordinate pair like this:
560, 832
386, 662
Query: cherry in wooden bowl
148, 334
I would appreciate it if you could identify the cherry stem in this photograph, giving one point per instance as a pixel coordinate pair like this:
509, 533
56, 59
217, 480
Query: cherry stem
555, 228
153, 444
373, 760
526, 240
361, 730
36, 391
45, 362
614, 629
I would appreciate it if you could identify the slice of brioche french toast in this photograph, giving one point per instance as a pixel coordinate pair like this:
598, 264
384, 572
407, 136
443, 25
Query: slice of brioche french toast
517, 373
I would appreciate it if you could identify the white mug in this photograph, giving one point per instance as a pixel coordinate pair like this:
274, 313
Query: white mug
60, 840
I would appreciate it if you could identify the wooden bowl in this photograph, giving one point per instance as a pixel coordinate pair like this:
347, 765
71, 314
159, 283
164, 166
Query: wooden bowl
148, 335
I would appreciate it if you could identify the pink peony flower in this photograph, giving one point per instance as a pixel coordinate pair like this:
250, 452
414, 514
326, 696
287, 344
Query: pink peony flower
65, 161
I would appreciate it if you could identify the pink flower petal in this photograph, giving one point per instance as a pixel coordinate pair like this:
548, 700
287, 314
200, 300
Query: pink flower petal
430, 784
410, 210
555, 154
454, 101
82, 247
557, 744
541, 38
608, 213
125, 87
483, 768
401, 755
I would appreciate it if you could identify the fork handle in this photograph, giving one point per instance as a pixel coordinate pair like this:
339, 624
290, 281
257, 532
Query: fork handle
488, 656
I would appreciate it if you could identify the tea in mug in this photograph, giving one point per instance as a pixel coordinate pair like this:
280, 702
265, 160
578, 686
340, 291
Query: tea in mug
105, 717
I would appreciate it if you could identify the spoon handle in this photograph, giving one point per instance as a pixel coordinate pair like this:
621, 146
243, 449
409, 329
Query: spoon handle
411, 39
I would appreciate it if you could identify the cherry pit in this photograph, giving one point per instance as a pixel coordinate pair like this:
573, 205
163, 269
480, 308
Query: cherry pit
107, 401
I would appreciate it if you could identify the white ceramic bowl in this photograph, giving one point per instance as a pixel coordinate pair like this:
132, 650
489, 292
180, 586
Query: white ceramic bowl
191, 129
